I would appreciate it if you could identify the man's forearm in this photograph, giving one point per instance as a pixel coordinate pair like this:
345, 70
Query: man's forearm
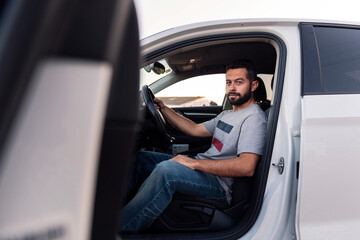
232, 167
184, 124
241, 166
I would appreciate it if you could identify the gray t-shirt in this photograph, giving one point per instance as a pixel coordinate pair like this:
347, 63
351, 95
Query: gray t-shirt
234, 133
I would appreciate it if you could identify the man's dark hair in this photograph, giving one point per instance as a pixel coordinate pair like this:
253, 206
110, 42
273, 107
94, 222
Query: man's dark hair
251, 74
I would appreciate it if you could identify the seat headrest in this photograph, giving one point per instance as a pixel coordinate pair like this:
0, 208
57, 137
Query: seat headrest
260, 92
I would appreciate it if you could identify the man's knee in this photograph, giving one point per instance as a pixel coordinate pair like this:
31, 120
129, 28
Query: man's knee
165, 166
168, 169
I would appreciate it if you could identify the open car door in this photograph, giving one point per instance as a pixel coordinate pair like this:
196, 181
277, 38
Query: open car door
69, 110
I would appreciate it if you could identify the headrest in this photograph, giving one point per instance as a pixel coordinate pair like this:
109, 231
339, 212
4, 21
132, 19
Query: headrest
260, 92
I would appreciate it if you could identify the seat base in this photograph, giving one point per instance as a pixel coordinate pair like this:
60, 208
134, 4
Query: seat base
194, 214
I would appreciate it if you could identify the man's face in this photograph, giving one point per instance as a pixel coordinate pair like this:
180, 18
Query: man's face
238, 87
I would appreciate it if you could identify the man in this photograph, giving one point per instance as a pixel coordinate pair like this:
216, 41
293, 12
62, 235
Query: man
237, 145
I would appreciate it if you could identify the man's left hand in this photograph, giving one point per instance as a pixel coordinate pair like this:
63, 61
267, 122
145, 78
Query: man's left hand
186, 161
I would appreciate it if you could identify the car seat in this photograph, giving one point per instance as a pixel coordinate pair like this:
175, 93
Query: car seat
197, 214
260, 95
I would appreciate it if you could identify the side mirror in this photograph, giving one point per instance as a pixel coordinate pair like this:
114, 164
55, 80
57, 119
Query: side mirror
156, 67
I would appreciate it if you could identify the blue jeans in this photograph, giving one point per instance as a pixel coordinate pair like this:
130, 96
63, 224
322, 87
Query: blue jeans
156, 192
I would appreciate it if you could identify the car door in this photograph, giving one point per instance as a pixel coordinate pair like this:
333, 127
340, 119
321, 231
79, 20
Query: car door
328, 194
69, 110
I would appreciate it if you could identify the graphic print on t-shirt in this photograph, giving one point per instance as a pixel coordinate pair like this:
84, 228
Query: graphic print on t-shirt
224, 127
218, 145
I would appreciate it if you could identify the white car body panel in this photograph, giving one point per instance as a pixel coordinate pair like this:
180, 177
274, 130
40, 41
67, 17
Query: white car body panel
328, 203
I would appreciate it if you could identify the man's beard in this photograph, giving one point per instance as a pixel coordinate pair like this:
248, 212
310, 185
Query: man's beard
241, 100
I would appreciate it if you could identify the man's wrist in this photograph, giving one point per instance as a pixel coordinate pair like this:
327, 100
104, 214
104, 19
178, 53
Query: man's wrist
196, 164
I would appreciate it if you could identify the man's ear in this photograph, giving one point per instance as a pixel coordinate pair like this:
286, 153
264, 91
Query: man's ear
254, 85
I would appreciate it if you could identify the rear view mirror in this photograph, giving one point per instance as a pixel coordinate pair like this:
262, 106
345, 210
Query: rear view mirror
156, 67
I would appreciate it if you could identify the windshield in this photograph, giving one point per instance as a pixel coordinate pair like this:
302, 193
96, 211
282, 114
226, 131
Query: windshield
204, 90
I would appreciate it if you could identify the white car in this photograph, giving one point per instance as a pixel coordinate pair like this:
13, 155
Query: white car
71, 123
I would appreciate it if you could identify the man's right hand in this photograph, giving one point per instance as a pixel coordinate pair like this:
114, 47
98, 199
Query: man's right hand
158, 104
180, 122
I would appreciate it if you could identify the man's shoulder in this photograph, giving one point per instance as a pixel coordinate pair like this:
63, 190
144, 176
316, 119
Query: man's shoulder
254, 113
253, 109
257, 110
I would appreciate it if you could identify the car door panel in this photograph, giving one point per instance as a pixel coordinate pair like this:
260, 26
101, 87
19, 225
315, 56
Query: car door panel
63, 80
199, 114
329, 147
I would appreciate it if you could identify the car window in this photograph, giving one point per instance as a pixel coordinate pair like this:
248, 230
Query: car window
339, 49
268, 82
148, 77
330, 59
206, 90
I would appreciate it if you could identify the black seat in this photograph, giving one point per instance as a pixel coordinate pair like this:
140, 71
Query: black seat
260, 95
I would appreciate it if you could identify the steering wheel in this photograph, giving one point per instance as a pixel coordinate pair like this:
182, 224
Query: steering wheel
155, 113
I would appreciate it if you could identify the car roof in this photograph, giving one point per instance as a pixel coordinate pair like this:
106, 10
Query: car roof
242, 21
209, 58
